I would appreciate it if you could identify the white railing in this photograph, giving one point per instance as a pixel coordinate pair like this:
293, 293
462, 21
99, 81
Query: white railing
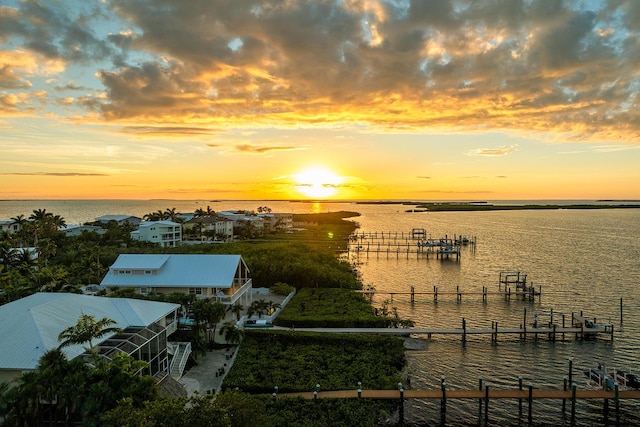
185, 347
230, 299
172, 327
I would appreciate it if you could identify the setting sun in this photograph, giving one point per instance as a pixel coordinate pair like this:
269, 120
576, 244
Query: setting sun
317, 182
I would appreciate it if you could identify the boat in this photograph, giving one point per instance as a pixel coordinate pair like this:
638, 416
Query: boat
627, 379
600, 377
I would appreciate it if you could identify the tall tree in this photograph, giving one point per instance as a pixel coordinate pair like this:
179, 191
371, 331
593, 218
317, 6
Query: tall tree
86, 330
208, 314
236, 309
232, 334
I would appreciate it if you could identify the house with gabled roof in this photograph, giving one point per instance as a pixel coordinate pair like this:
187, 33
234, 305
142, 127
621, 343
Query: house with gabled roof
30, 327
223, 278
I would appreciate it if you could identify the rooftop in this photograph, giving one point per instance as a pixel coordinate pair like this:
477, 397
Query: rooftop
30, 326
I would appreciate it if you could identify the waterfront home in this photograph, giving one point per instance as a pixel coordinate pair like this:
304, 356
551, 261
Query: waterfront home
209, 229
274, 222
120, 219
167, 234
224, 278
242, 218
30, 327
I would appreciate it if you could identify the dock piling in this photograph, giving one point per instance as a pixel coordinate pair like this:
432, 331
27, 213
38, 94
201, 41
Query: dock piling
530, 402
520, 399
480, 400
486, 404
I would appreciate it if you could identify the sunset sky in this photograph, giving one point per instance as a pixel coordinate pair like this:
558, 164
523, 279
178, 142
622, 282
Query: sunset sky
351, 99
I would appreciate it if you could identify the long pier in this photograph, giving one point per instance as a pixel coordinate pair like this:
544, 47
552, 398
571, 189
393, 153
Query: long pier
483, 394
526, 293
552, 333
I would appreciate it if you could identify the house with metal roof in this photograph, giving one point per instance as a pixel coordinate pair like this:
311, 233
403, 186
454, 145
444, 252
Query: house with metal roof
224, 278
30, 327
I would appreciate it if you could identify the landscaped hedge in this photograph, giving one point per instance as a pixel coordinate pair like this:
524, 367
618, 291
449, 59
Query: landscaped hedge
297, 361
330, 412
330, 308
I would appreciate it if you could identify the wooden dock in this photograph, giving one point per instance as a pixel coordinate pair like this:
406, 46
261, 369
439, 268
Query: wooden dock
529, 293
552, 332
415, 242
493, 393
484, 394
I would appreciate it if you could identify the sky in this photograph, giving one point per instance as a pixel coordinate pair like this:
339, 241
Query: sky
340, 99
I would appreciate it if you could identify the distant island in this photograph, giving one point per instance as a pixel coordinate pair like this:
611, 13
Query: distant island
483, 206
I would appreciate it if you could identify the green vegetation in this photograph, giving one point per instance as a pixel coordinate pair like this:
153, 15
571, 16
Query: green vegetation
330, 412
297, 361
66, 392
236, 409
111, 393
63, 263
333, 308
281, 289
295, 263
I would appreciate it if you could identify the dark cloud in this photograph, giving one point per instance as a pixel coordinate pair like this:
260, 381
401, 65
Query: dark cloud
9, 80
57, 30
541, 66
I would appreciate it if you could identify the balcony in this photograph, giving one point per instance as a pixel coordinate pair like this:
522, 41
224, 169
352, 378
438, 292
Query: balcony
233, 294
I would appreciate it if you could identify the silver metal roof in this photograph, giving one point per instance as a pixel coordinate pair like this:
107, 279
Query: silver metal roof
179, 270
29, 327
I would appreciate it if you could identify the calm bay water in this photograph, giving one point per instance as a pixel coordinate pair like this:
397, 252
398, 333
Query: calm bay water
583, 259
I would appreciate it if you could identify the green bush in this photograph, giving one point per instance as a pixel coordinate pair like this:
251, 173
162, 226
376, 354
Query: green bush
330, 308
282, 289
297, 361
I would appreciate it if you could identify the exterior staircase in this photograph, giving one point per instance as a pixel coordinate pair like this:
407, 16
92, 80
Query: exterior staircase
180, 357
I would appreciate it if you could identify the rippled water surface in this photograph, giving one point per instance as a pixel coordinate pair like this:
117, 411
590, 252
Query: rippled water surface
584, 260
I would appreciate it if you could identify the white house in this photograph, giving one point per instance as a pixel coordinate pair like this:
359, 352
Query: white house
164, 233
30, 327
224, 278
120, 219
9, 226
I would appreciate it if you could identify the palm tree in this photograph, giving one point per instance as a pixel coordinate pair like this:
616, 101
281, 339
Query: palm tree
208, 314
259, 307
86, 330
201, 213
171, 214
236, 309
40, 215
232, 334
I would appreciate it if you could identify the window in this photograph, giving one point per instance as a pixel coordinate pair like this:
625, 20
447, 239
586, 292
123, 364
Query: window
196, 291
147, 272
144, 291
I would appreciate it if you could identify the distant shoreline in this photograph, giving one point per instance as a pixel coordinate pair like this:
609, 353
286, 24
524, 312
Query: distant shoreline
469, 207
